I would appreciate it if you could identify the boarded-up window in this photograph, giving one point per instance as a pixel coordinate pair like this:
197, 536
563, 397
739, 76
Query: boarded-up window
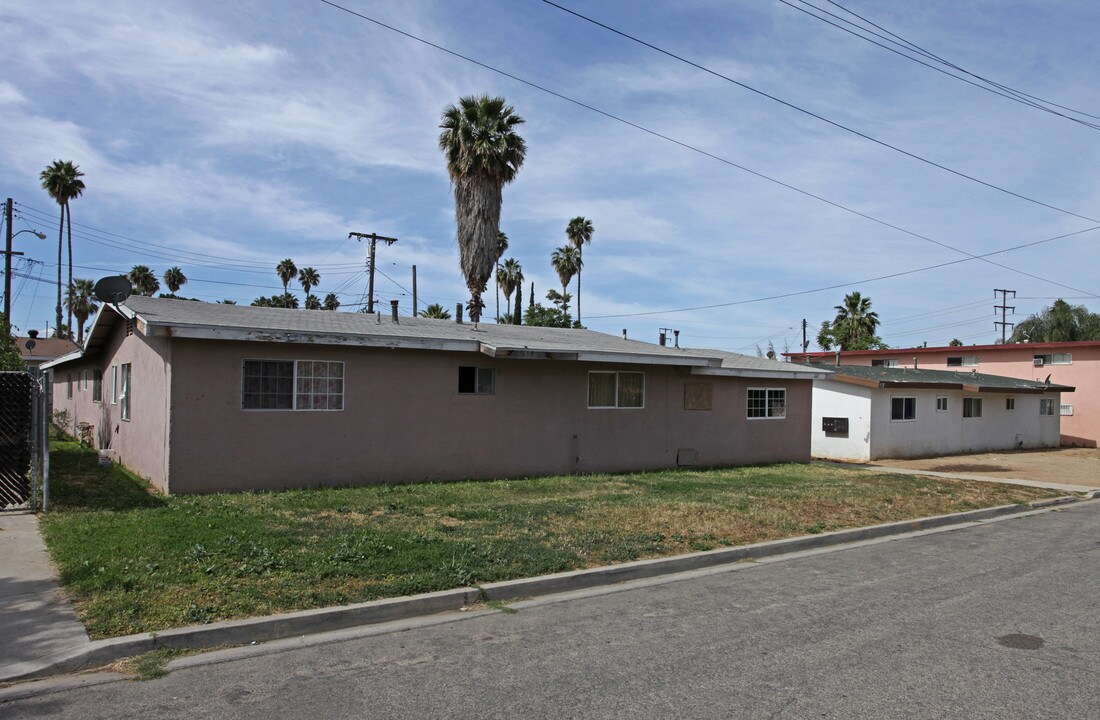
698, 396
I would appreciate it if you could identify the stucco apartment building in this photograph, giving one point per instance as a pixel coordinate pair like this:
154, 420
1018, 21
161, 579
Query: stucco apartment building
1064, 363
200, 397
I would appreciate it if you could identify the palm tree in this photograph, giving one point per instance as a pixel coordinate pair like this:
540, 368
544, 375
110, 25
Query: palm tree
502, 247
567, 262
81, 303
174, 279
484, 153
143, 280
62, 181
331, 302
287, 271
579, 231
436, 312
509, 278
313, 302
855, 323
309, 279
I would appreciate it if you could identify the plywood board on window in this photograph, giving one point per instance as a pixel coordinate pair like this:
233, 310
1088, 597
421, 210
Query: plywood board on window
698, 396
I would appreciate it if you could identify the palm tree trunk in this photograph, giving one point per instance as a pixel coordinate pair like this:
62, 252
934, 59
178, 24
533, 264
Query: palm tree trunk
498, 298
60, 246
578, 296
69, 223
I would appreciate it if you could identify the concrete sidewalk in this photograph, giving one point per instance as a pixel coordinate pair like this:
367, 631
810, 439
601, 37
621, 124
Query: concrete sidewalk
36, 622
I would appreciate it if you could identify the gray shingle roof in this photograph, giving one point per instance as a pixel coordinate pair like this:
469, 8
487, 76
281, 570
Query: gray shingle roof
914, 377
214, 321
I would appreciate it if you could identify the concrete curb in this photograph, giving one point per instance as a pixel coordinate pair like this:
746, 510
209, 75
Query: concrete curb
307, 622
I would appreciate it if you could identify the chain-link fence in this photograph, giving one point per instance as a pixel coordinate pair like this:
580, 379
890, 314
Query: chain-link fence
23, 438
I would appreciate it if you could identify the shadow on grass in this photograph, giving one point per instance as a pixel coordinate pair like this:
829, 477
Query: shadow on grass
77, 482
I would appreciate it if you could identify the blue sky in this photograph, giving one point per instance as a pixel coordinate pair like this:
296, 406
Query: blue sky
224, 137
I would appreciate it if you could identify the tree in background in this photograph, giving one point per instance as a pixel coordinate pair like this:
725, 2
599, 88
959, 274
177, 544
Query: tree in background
286, 300
517, 314
556, 316
331, 302
955, 343
81, 303
174, 279
309, 279
853, 328
509, 278
566, 262
502, 247
1061, 322
579, 231
435, 311
62, 181
313, 302
484, 153
287, 271
10, 359
143, 280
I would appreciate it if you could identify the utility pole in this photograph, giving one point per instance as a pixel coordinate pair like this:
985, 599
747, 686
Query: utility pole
415, 313
373, 242
805, 342
1004, 309
7, 265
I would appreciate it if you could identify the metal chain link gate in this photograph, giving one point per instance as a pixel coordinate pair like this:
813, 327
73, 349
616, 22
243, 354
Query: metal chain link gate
22, 437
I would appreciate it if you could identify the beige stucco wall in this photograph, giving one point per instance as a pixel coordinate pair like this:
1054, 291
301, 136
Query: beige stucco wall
141, 442
404, 421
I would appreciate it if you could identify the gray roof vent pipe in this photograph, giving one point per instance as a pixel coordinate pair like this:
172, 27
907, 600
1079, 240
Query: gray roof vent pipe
663, 338
676, 335
914, 362
624, 333
393, 311
458, 313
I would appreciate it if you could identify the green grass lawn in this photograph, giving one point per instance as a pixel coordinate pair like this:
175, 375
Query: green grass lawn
135, 561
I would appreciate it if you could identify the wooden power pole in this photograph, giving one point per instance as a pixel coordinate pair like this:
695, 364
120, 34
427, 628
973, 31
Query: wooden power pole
1004, 309
373, 242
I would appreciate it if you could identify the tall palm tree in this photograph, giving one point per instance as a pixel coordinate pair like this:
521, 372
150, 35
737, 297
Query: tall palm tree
174, 279
81, 303
579, 231
484, 152
331, 302
287, 271
436, 312
502, 247
62, 181
509, 277
312, 302
309, 279
567, 262
143, 280
855, 321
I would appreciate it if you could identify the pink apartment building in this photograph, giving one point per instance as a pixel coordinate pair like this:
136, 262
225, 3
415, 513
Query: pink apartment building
1064, 363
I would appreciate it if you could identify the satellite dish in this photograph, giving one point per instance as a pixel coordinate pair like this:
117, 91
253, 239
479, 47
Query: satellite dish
113, 289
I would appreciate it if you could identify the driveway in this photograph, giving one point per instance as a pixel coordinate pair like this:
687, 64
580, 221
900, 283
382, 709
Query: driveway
1074, 466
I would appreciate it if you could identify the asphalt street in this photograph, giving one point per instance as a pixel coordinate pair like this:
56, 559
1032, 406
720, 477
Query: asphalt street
997, 621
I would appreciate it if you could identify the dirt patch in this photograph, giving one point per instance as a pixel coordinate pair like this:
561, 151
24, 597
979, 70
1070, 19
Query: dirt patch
1074, 466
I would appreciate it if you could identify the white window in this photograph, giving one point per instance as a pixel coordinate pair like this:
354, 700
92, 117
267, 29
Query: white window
903, 408
292, 385
962, 361
1010, 403
941, 403
972, 407
1046, 406
1065, 409
114, 384
885, 362
124, 396
477, 380
616, 389
767, 403
1054, 359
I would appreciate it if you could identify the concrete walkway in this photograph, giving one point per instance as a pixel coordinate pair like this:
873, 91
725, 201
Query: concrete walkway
36, 622
1090, 490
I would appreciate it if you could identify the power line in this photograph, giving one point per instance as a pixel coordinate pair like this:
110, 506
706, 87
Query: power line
993, 88
694, 149
814, 115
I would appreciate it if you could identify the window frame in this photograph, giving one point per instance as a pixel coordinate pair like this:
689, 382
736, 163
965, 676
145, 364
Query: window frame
944, 408
1054, 358
114, 384
969, 406
964, 361
1010, 404
767, 408
618, 390
1065, 409
479, 372
127, 391
295, 388
1046, 407
884, 362
68, 386
906, 400
97, 385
